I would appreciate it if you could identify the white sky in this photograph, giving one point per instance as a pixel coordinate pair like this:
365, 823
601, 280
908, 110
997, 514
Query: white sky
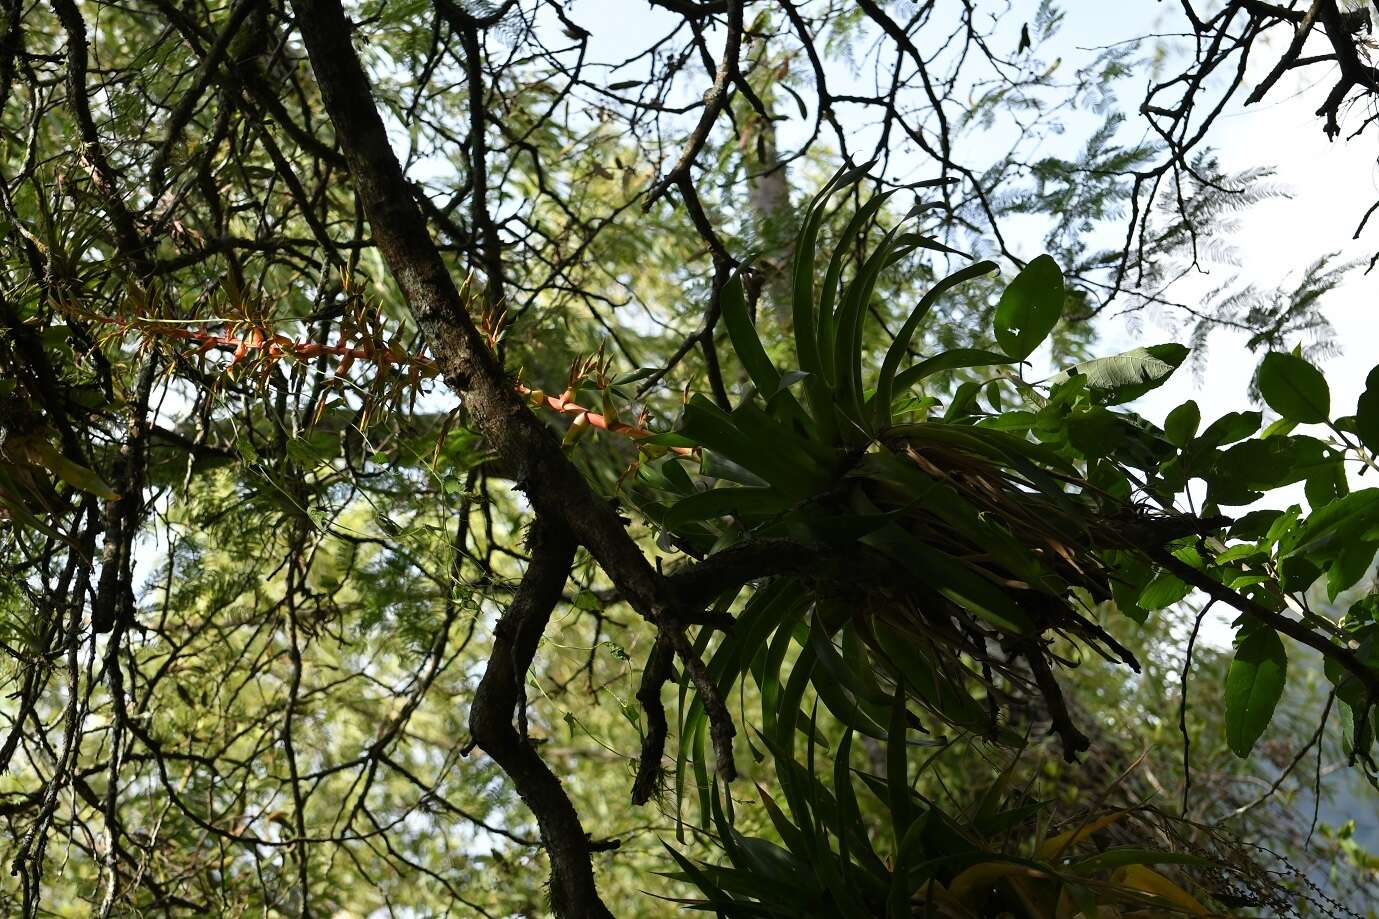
1331, 185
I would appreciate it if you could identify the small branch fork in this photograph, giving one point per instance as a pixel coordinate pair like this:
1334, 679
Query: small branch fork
1183, 107
496, 704
1366, 676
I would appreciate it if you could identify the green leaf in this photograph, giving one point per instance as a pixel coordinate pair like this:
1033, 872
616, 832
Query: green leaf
849, 322
746, 344
940, 687
1127, 376
953, 580
1342, 522
948, 360
1350, 565
586, 600
669, 439
1367, 412
1095, 433
756, 444
896, 353
74, 474
1030, 308
1164, 591
1130, 855
633, 376
1294, 388
1229, 428
828, 326
1254, 685
896, 773
806, 337
719, 502
12, 501
1261, 465
1181, 423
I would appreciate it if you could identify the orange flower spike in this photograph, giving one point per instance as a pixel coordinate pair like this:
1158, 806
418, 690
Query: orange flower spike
241, 351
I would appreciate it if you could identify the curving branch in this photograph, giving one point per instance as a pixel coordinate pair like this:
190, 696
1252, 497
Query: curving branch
496, 706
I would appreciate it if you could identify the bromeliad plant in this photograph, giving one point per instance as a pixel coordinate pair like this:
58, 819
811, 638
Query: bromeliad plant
950, 558
925, 559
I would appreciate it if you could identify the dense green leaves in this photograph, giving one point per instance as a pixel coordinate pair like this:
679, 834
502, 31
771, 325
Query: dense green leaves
1030, 307
868, 536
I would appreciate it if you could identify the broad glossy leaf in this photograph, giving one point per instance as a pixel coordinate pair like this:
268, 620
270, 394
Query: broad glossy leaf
1030, 307
1181, 423
1229, 428
1349, 567
1345, 520
1164, 591
1254, 685
1294, 388
1261, 465
1127, 376
1367, 412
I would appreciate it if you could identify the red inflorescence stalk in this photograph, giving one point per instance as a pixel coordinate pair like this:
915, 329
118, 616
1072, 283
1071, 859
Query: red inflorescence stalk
278, 346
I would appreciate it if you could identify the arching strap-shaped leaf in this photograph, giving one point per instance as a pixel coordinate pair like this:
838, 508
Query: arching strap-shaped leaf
753, 448
849, 320
828, 322
1147, 880
806, 341
1055, 846
956, 359
885, 383
746, 343
73, 474
953, 580
938, 688
750, 503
